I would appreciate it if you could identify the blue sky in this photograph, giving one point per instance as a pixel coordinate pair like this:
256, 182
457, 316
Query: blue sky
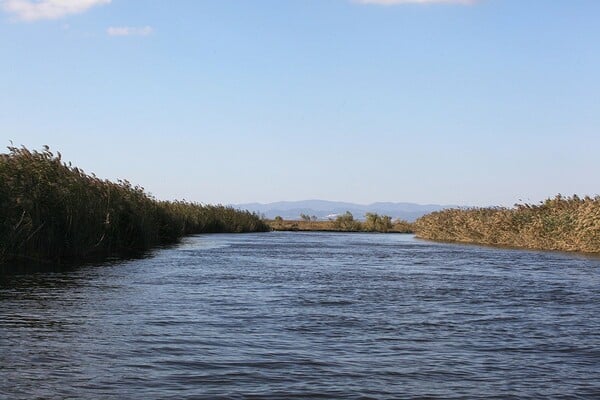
454, 102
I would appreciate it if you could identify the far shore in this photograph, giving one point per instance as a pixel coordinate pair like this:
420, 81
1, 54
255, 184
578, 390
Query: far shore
327, 226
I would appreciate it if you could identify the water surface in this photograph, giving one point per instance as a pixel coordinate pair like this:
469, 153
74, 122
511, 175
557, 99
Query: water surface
307, 315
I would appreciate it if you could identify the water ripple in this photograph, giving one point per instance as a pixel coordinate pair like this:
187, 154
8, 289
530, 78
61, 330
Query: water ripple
307, 316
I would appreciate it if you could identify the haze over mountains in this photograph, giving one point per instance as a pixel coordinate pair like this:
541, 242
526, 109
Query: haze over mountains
324, 209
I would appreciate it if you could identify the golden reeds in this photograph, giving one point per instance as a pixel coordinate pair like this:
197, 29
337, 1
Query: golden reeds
561, 223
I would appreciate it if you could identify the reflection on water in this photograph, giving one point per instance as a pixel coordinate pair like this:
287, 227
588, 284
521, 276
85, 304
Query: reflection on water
306, 315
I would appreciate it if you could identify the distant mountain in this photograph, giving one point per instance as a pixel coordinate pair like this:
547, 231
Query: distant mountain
324, 209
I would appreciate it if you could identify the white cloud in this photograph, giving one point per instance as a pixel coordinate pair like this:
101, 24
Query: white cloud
30, 10
129, 31
395, 2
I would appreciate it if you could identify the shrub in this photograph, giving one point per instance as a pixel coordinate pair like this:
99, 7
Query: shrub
346, 222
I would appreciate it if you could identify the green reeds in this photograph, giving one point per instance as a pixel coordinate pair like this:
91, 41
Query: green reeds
561, 223
53, 212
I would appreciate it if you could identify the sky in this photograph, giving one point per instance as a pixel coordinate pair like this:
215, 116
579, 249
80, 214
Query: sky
469, 102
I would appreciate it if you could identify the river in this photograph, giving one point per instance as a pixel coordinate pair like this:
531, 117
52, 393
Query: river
306, 315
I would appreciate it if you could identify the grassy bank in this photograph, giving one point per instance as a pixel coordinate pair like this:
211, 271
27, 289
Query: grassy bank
344, 224
52, 212
561, 223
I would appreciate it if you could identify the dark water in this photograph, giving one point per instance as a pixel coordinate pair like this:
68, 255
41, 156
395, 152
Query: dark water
307, 315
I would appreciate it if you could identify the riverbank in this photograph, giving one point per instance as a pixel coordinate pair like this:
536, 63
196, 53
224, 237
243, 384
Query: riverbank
331, 226
562, 224
53, 213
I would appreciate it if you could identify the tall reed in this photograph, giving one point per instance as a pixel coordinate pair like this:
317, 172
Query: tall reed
561, 223
53, 212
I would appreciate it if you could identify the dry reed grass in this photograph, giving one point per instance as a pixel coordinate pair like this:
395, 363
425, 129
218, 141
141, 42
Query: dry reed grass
561, 223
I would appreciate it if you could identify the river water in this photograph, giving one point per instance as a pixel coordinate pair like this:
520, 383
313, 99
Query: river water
306, 315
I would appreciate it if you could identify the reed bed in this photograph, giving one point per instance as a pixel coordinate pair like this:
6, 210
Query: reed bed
53, 212
560, 223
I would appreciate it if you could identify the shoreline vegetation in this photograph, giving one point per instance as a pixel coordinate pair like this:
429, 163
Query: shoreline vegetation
560, 224
343, 223
54, 213
570, 224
